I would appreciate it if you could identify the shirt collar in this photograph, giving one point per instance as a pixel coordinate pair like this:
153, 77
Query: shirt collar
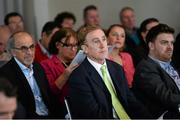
43, 49
23, 67
161, 63
96, 65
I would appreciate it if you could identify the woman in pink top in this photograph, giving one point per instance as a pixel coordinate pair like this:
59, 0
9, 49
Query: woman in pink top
116, 38
63, 47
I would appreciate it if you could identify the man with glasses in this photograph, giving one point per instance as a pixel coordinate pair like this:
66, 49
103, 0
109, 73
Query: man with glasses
33, 89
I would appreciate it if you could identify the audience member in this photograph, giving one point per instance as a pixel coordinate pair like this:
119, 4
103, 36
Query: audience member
8, 100
4, 36
14, 21
42, 52
142, 49
156, 82
65, 20
98, 88
127, 18
116, 38
28, 77
63, 48
176, 56
91, 16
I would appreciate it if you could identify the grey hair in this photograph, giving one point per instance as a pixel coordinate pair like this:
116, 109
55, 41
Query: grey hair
10, 43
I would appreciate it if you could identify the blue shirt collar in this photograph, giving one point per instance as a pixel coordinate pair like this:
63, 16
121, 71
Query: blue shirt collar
23, 67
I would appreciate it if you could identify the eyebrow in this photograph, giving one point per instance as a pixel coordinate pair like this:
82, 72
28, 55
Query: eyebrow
27, 46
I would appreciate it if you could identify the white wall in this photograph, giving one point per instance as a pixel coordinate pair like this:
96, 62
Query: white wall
41, 9
167, 11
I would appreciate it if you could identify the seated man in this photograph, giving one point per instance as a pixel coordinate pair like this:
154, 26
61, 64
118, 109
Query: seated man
4, 36
8, 102
156, 82
142, 49
41, 48
98, 88
14, 21
29, 78
65, 20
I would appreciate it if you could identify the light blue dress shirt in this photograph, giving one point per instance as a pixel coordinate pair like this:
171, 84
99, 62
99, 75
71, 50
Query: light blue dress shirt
41, 108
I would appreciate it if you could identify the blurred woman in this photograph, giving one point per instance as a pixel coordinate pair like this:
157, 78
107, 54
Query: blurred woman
63, 47
116, 38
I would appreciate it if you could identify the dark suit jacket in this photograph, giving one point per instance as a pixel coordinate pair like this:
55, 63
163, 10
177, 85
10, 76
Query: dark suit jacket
156, 89
12, 71
89, 97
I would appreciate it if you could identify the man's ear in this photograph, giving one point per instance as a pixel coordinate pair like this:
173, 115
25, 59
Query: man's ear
84, 48
43, 35
143, 34
151, 46
12, 52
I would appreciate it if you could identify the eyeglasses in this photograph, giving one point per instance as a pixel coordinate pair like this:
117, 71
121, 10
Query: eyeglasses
25, 48
69, 45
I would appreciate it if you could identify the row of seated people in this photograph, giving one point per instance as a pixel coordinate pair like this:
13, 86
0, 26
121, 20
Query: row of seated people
46, 85
98, 87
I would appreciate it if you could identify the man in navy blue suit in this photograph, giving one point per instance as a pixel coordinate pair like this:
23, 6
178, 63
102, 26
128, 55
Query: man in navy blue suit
90, 96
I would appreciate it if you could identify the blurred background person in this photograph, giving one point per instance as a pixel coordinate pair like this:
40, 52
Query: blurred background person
41, 50
4, 36
176, 56
8, 101
65, 20
142, 49
63, 47
128, 21
14, 21
116, 38
91, 16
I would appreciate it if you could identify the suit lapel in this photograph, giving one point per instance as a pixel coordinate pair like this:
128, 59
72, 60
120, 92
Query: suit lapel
39, 80
94, 75
165, 74
115, 79
21, 79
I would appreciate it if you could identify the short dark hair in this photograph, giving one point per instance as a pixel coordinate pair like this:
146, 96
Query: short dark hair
48, 27
156, 30
64, 15
7, 88
124, 9
145, 23
58, 36
87, 8
9, 15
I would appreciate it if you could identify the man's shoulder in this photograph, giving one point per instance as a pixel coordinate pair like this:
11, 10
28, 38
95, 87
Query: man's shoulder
9, 64
148, 64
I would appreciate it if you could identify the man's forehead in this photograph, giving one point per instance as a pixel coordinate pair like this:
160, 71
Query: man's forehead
165, 37
23, 39
95, 34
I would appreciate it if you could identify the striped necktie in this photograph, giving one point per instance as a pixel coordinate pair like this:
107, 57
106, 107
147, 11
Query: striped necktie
174, 75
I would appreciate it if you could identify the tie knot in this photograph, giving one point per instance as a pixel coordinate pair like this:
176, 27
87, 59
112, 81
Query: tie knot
103, 69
